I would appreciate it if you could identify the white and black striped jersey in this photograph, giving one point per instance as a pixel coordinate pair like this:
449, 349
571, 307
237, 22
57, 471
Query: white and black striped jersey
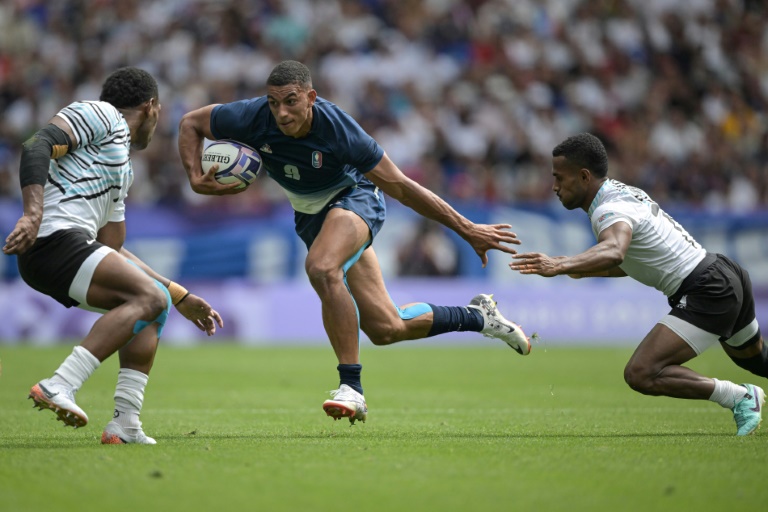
661, 253
86, 188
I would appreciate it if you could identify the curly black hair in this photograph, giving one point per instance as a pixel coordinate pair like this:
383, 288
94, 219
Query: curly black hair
584, 151
128, 87
290, 72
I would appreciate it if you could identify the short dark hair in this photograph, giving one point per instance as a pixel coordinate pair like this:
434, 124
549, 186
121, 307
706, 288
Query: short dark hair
128, 87
584, 151
290, 72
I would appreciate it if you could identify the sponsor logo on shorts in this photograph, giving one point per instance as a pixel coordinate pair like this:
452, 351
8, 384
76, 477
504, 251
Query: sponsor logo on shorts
683, 302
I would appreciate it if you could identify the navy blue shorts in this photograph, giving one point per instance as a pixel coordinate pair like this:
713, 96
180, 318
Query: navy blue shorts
365, 199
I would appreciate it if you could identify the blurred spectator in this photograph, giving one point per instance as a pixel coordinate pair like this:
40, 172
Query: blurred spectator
429, 252
467, 95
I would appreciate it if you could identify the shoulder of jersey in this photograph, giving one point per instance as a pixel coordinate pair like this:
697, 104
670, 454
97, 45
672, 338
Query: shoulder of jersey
329, 111
106, 108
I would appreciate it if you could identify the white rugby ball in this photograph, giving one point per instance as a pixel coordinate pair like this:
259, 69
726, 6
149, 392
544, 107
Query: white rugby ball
238, 163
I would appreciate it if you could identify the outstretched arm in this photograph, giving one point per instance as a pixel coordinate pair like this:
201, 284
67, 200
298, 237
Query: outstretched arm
193, 128
482, 237
612, 272
193, 308
600, 260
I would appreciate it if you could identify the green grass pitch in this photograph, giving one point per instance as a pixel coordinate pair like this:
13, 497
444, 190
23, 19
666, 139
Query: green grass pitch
449, 429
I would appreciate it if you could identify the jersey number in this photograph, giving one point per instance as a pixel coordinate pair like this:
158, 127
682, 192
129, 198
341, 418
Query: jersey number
291, 171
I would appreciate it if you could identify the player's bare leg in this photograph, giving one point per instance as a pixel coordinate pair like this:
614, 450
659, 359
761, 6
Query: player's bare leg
379, 318
341, 238
136, 359
132, 296
655, 369
139, 354
343, 234
383, 323
129, 295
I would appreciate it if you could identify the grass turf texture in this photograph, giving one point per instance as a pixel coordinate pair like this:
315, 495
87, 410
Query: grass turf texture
449, 428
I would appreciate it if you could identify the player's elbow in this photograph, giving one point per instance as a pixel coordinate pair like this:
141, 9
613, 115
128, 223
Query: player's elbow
401, 191
614, 255
396, 192
616, 259
187, 122
194, 123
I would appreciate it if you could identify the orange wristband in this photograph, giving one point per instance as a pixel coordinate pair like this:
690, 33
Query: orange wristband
178, 292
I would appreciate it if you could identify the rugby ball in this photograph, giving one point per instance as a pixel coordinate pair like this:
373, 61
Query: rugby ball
238, 163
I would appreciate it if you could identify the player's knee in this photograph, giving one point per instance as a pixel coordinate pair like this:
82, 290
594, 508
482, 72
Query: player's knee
155, 305
638, 378
322, 273
153, 302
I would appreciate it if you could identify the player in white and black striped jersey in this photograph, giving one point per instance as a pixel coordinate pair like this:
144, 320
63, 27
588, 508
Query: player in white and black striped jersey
75, 174
91, 182
710, 295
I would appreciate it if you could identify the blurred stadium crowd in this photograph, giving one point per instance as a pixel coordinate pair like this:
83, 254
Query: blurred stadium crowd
468, 97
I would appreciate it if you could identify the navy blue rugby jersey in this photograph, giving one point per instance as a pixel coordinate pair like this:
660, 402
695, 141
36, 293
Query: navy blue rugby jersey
335, 154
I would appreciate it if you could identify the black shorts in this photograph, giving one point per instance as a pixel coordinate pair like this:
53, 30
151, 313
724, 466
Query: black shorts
716, 297
51, 264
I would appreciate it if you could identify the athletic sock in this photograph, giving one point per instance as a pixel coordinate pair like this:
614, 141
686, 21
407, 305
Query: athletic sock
455, 318
76, 368
727, 393
349, 374
129, 398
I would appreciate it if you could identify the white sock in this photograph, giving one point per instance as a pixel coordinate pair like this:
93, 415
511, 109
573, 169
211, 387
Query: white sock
129, 398
727, 393
76, 368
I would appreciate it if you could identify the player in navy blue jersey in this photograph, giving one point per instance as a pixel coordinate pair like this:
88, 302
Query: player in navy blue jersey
335, 176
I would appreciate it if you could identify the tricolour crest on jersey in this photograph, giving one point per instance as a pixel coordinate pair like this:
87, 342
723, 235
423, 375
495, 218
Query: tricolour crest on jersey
604, 216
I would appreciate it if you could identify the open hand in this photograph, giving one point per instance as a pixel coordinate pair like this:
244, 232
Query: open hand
22, 237
199, 312
484, 237
536, 263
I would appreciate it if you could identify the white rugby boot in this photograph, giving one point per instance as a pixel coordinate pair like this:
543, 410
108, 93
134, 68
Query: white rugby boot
61, 400
115, 434
346, 403
496, 326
